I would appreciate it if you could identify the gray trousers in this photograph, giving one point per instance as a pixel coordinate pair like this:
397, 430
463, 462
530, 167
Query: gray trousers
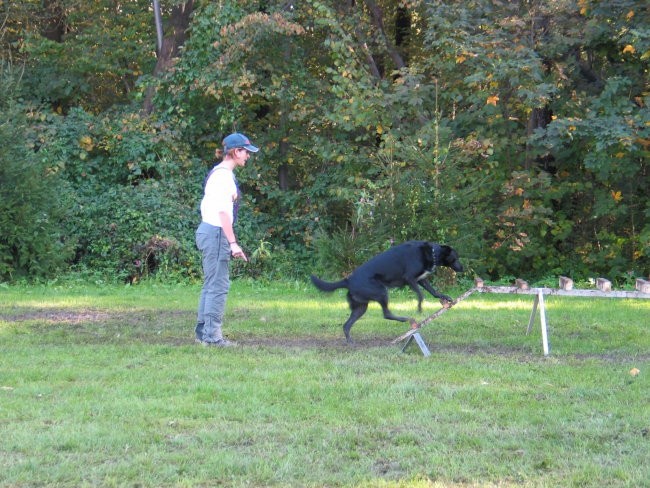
215, 251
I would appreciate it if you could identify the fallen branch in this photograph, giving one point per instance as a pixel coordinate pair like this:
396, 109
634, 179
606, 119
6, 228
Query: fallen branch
433, 316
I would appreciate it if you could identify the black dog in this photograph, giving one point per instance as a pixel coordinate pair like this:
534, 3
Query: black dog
406, 264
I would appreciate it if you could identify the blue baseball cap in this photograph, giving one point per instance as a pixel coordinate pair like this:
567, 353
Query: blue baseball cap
236, 140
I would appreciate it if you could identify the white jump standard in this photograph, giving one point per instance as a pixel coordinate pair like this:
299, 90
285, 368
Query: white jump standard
604, 290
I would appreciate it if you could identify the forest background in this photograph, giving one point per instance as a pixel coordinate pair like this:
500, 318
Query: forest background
516, 131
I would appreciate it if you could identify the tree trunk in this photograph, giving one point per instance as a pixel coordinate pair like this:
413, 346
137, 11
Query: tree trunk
54, 25
171, 44
378, 21
403, 32
539, 118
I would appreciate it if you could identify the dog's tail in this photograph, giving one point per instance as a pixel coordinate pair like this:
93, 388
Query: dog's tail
327, 285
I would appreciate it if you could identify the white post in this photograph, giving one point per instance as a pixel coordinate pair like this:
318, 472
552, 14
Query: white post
532, 315
542, 316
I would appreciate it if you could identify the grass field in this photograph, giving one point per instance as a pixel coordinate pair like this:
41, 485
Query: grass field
104, 386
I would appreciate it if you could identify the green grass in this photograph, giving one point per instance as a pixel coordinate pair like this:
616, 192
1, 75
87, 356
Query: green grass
105, 387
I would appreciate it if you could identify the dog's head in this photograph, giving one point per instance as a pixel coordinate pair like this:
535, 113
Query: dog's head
449, 257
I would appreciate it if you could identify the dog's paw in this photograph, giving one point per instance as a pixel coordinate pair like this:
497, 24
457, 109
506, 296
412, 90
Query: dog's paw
446, 301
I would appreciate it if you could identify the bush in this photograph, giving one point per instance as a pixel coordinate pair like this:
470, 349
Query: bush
33, 204
131, 232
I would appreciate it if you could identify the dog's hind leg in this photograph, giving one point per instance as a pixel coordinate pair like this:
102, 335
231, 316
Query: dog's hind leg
358, 309
390, 316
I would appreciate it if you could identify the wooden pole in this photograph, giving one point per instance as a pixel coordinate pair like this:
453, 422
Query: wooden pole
433, 316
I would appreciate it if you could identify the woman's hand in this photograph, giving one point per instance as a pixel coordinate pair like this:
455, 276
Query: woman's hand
237, 252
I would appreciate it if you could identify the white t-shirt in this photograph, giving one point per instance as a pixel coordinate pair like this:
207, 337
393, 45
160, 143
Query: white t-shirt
219, 196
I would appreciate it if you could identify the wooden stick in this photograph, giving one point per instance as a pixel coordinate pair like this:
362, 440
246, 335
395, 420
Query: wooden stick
433, 316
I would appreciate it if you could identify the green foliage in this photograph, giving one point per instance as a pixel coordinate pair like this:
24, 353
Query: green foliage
129, 232
341, 251
609, 139
104, 48
592, 149
516, 132
137, 191
34, 199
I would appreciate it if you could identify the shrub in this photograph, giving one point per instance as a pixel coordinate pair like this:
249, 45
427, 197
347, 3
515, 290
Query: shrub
33, 201
130, 232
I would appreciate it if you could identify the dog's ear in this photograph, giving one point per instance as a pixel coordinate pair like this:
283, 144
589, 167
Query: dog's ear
448, 254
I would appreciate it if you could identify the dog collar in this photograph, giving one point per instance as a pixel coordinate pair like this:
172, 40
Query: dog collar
436, 254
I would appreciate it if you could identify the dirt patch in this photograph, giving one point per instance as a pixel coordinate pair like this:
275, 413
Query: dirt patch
175, 328
56, 316
90, 316
312, 342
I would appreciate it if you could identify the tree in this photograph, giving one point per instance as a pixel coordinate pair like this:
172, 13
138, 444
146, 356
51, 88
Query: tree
515, 131
170, 45
88, 54
33, 198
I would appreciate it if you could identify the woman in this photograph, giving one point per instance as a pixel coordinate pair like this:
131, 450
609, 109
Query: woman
215, 238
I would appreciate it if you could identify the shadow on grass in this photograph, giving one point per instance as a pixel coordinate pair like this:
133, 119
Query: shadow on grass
173, 328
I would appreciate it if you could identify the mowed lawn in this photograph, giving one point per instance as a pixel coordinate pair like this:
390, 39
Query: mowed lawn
104, 386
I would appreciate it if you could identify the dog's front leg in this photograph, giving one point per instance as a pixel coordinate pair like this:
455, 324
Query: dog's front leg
414, 286
442, 297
